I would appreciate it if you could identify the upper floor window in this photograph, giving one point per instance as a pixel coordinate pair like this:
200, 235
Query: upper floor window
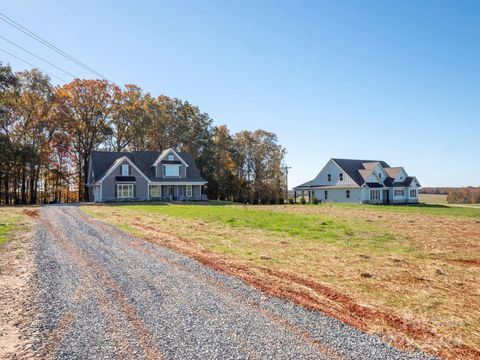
125, 170
170, 157
340, 176
329, 177
172, 170
380, 176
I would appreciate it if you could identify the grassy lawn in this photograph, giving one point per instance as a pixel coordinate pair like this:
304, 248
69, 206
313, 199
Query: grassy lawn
420, 209
407, 273
11, 220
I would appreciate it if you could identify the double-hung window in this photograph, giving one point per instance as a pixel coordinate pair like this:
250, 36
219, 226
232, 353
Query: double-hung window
413, 193
125, 170
348, 194
124, 191
329, 177
172, 170
374, 195
340, 176
155, 190
399, 192
326, 194
189, 191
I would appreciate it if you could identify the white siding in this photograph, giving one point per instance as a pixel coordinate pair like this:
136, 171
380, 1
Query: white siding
401, 176
339, 195
334, 170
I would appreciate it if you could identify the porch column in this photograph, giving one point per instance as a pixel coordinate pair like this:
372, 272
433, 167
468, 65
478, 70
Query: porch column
309, 196
295, 196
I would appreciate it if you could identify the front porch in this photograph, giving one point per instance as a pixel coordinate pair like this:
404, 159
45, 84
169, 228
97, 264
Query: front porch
182, 192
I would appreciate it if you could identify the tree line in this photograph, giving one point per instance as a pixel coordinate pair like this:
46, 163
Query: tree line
48, 132
460, 195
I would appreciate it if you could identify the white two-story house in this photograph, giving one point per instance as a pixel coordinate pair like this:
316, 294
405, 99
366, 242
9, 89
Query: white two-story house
361, 181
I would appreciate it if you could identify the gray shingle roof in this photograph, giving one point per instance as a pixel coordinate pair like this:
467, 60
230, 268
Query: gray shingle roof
352, 167
103, 160
360, 170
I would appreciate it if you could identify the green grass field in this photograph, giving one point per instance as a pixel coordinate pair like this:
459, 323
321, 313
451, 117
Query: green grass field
419, 209
10, 221
419, 266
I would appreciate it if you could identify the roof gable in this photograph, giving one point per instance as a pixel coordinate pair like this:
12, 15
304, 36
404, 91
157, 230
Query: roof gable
352, 168
102, 161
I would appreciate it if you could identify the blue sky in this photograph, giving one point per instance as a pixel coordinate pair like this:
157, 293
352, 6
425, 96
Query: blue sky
391, 80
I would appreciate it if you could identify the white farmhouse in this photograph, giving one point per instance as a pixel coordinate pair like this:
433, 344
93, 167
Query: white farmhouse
361, 181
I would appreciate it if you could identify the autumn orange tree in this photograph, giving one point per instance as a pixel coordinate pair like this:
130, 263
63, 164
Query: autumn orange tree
87, 106
47, 134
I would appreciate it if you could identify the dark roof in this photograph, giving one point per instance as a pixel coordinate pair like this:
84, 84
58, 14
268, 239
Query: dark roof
352, 167
360, 170
406, 183
101, 161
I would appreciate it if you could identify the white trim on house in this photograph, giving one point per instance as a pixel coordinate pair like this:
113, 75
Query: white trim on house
165, 153
116, 164
177, 182
128, 191
125, 167
171, 166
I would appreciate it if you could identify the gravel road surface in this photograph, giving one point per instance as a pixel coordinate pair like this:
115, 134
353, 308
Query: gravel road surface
102, 294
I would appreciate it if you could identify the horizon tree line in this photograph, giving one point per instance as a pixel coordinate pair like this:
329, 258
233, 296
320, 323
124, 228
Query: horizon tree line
48, 132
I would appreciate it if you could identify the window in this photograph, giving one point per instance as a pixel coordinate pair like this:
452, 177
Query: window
413, 193
155, 191
125, 190
374, 195
172, 170
348, 194
380, 176
329, 176
189, 191
399, 192
340, 176
326, 195
125, 170
170, 157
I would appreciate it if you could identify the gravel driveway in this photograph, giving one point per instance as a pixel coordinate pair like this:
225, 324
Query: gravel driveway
103, 294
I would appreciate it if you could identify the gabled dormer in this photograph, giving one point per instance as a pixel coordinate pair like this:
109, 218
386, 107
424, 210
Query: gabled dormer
170, 165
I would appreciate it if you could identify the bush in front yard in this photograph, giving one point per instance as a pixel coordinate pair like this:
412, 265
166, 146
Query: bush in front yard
291, 201
302, 201
315, 201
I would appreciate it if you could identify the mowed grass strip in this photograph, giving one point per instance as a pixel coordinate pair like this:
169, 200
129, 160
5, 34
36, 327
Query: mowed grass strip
416, 209
419, 268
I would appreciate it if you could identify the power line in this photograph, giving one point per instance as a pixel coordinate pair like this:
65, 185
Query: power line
48, 44
38, 57
32, 65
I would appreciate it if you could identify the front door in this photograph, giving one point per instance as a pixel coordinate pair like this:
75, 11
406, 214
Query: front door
386, 200
172, 192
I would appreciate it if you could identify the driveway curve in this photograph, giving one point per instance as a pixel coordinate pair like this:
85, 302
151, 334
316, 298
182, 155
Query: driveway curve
103, 294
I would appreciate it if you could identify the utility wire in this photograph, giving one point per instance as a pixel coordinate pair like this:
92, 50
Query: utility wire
23, 29
32, 65
38, 57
